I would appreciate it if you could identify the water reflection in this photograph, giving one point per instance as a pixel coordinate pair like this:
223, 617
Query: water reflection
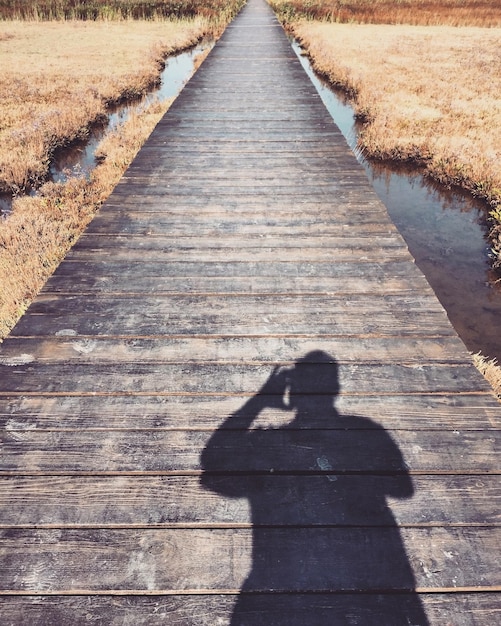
5, 204
79, 158
444, 230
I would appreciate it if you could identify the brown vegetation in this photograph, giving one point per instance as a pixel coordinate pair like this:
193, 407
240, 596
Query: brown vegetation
57, 78
491, 370
486, 13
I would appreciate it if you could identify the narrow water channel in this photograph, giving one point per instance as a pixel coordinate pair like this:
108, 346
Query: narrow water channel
79, 158
445, 232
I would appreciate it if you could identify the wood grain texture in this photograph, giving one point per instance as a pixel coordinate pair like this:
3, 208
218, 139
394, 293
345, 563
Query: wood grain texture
169, 378
282, 559
265, 351
260, 609
128, 412
237, 401
263, 451
178, 501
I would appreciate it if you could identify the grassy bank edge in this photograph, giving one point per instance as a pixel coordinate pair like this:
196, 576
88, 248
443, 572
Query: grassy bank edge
491, 370
448, 173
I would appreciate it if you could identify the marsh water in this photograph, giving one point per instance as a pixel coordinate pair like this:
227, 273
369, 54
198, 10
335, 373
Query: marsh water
79, 158
444, 230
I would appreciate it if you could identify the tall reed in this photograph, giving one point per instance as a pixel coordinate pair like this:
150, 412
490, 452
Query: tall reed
116, 9
486, 13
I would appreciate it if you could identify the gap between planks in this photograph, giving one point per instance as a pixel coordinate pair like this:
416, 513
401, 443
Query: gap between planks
238, 592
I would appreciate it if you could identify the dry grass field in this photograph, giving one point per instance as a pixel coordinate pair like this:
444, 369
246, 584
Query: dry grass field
56, 78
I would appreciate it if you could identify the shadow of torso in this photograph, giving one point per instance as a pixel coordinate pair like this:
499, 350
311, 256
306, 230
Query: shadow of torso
317, 489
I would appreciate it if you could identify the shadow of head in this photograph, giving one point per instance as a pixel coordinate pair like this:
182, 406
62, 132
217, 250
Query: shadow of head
313, 381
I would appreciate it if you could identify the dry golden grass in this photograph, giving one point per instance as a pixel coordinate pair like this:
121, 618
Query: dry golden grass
491, 370
56, 78
425, 12
42, 229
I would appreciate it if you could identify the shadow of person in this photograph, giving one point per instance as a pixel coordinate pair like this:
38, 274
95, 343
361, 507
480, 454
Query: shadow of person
326, 547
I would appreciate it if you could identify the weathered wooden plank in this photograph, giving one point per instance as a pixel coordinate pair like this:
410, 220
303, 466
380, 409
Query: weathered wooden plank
389, 271
346, 271
294, 560
178, 220
328, 191
262, 165
177, 501
272, 351
323, 452
87, 284
179, 323
235, 315
362, 243
210, 134
248, 152
210, 204
212, 277
159, 377
238, 201
286, 169
138, 223
358, 247
455, 412
334, 609
137, 280
242, 179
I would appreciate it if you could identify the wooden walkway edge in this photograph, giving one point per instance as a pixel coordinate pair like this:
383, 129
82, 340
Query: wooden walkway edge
237, 400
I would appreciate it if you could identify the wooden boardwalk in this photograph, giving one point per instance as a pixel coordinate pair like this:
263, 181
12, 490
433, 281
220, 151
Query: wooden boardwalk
238, 400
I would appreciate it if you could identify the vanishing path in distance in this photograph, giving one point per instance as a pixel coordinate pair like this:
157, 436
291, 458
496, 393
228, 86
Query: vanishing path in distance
244, 274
